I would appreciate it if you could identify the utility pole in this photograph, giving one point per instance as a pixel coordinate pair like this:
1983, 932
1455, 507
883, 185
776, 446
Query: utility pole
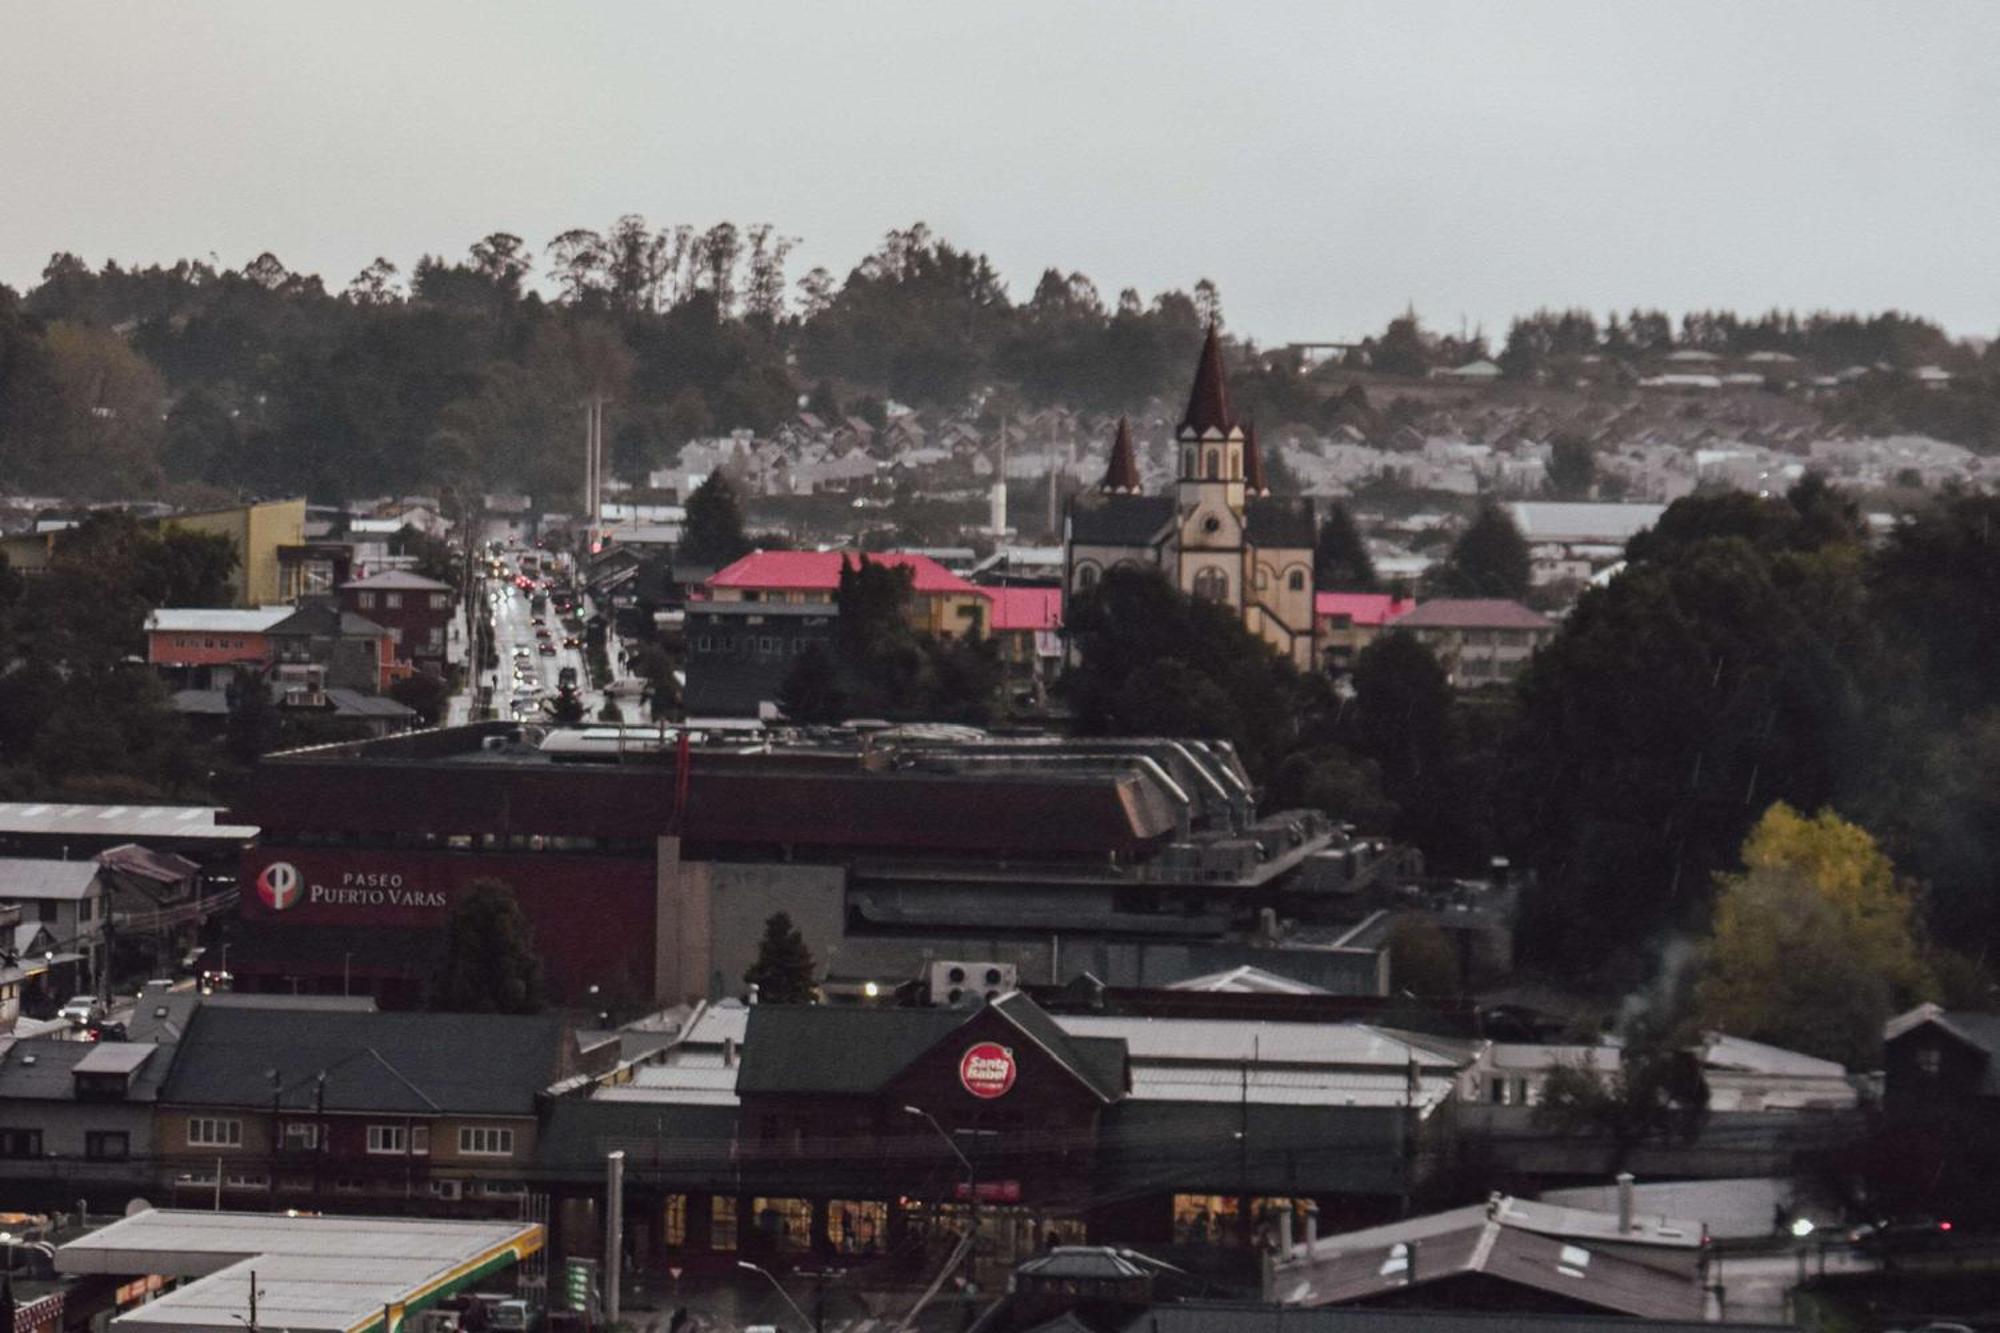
614, 1232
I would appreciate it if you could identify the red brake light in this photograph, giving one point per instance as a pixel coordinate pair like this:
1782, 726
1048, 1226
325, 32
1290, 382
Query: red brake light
1944, 1226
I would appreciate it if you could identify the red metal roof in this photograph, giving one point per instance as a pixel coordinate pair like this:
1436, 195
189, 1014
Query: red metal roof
1475, 613
1363, 608
819, 571
1025, 608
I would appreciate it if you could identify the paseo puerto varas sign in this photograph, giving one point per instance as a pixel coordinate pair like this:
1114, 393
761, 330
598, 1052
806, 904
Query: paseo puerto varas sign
281, 886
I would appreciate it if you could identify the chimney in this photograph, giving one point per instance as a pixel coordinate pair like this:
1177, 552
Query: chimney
1267, 925
1624, 1202
1312, 1225
729, 1052
1284, 1233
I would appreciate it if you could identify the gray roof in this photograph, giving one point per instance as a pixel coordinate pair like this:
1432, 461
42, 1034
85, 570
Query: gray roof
1216, 1317
65, 880
137, 823
44, 1069
325, 620
1097, 519
395, 580
1281, 522
414, 1063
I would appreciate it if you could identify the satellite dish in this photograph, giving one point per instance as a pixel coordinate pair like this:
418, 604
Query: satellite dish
137, 1206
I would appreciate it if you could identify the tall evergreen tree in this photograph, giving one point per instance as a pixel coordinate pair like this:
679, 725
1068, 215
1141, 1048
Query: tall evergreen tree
490, 964
1340, 559
714, 533
1490, 559
785, 968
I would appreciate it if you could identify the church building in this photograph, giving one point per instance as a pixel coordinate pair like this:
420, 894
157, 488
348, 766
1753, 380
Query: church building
1219, 535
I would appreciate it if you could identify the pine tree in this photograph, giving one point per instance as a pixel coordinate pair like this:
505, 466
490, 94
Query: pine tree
1340, 560
783, 972
714, 534
811, 693
1490, 559
490, 964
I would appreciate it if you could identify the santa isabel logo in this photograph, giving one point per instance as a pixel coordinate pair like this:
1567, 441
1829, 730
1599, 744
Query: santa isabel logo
278, 885
281, 887
987, 1070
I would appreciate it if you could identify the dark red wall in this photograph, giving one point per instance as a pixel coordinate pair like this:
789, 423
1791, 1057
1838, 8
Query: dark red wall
593, 916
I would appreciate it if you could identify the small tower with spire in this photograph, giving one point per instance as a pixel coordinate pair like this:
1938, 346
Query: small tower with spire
1121, 475
1210, 439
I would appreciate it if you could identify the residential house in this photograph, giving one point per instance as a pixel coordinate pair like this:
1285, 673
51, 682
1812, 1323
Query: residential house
320, 645
76, 1119
302, 1105
415, 610
1479, 641
944, 604
68, 897
200, 647
157, 902
739, 653
1940, 1145
1346, 622
1026, 626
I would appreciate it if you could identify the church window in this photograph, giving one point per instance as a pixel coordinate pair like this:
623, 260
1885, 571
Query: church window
1212, 467
1211, 524
1296, 581
1086, 577
1187, 464
1211, 585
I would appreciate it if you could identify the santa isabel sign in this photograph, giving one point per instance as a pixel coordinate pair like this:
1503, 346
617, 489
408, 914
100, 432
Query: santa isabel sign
987, 1070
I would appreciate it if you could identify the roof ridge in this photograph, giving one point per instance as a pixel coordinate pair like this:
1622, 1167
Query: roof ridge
403, 1078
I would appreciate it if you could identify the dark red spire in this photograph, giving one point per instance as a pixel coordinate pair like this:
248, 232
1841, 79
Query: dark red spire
1122, 476
1253, 463
1208, 403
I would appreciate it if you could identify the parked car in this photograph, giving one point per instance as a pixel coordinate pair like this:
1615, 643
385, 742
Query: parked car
81, 1010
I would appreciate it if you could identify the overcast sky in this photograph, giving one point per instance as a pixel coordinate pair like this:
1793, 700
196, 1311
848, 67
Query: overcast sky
1324, 163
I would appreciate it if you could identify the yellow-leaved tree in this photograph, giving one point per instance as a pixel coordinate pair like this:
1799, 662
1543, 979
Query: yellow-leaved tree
1815, 943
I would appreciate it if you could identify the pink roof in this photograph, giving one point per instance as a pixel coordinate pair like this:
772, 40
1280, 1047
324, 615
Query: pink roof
1025, 608
1363, 608
819, 571
1475, 613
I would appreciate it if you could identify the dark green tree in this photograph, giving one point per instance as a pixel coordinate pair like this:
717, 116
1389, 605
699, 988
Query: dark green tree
1490, 559
425, 693
811, 693
1340, 559
254, 724
714, 532
1572, 467
785, 970
490, 965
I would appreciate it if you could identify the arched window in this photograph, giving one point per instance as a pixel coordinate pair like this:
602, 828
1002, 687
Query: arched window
1212, 466
1187, 463
1211, 585
1296, 581
1235, 465
1086, 577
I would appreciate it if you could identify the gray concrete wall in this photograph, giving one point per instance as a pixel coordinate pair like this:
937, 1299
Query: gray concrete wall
735, 900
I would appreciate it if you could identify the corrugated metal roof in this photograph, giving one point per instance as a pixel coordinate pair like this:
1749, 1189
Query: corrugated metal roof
1206, 1039
64, 880
133, 822
1282, 1087
215, 619
313, 1274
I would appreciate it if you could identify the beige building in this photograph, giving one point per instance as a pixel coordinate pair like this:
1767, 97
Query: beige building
1481, 640
1221, 535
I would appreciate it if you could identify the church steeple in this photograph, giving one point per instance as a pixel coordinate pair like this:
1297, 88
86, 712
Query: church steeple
1208, 402
1253, 463
1121, 477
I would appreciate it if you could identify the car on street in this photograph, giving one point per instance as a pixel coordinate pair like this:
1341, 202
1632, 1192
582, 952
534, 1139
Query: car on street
82, 1010
548, 649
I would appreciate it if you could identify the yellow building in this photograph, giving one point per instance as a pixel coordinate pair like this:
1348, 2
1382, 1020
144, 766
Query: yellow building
258, 531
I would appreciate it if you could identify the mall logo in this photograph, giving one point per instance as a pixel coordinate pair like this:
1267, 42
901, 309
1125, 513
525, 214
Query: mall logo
278, 885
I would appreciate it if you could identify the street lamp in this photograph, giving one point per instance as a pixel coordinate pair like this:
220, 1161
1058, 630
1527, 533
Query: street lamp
971, 1182
780, 1287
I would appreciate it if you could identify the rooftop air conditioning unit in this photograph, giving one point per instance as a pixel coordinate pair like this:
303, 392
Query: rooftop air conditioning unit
956, 982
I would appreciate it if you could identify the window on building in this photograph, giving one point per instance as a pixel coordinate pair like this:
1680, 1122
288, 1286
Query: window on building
388, 1139
440, 601
365, 600
857, 1226
1930, 1060
20, 1143
1211, 466
1086, 577
420, 1140
722, 1223
246, 1180
46, 909
485, 1141
1211, 585
674, 1221
785, 1224
107, 1145
392, 601
301, 1135
1296, 580
214, 1132
1207, 1219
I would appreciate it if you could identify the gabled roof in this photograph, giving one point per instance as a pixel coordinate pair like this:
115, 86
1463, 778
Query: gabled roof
1474, 613
65, 880
1363, 608
415, 1063
1254, 481
396, 580
215, 619
44, 1069
1098, 519
1208, 401
819, 571
324, 619
1121, 475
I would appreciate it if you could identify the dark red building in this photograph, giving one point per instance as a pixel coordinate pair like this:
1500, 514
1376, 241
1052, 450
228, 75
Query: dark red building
416, 610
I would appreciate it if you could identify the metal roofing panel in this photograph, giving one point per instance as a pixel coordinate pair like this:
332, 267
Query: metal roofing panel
114, 1057
125, 821
67, 880
1203, 1039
